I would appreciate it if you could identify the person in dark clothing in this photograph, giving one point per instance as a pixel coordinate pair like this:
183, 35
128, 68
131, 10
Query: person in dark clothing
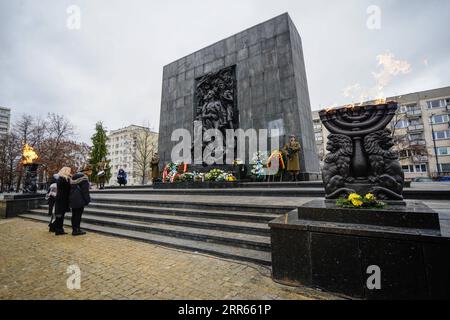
62, 200
122, 177
79, 198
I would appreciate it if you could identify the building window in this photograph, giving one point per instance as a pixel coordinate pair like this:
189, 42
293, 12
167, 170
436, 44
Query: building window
406, 153
402, 124
442, 134
318, 136
443, 151
408, 169
434, 104
415, 137
409, 107
415, 122
445, 167
420, 168
440, 118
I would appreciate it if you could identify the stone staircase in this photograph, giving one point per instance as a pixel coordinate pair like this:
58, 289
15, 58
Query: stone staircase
235, 231
292, 190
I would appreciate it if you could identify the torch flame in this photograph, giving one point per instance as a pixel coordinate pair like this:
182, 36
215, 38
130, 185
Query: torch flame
28, 155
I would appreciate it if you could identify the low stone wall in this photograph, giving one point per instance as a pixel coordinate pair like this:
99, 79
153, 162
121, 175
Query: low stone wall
13, 205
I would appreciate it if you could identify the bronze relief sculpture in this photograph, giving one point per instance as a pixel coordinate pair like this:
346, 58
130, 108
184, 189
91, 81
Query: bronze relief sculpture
215, 104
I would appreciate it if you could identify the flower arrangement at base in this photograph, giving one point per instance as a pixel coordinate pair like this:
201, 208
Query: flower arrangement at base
278, 158
213, 175
226, 177
354, 200
259, 163
199, 177
188, 177
173, 172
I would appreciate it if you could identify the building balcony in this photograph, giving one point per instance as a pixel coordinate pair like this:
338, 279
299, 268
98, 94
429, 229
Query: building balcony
414, 113
416, 128
419, 159
417, 143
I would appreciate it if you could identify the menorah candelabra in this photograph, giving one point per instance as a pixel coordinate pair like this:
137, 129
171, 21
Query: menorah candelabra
360, 159
30, 181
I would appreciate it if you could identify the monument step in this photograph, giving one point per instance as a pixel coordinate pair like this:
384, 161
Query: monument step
217, 208
254, 192
409, 194
238, 239
227, 185
162, 212
122, 212
220, 250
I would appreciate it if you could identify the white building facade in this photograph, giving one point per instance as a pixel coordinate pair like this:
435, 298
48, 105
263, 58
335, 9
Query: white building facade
5, 119
121, 145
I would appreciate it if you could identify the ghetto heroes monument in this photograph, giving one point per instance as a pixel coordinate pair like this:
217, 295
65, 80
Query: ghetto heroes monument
254, 79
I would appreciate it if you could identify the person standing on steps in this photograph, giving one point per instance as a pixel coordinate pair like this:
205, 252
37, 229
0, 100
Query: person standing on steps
122, 178
62, 201
155, 167
79, 197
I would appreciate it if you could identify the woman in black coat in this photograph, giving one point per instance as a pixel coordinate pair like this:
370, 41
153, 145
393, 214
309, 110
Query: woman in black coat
79, 198
62, 200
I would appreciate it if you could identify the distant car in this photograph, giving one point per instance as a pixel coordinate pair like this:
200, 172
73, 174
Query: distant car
444, 179
422, 180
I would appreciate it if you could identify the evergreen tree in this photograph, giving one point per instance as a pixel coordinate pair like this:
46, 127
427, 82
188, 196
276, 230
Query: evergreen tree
99, 152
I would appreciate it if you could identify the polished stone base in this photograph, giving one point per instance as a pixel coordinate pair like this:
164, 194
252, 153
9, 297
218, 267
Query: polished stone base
13, 205
324, 246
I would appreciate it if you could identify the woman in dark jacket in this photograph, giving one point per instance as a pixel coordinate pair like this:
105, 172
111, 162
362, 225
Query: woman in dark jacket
79, 198
62, 200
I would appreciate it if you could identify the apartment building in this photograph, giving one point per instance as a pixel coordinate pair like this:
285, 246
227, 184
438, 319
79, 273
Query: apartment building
122, 146
5, 119
421, 132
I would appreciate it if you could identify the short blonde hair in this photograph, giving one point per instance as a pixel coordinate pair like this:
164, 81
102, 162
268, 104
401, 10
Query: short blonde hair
65, 172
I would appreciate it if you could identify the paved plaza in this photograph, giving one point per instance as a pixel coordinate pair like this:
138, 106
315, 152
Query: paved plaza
34, 265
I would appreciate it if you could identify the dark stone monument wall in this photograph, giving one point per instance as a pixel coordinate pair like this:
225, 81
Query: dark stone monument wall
271, 85
308, 140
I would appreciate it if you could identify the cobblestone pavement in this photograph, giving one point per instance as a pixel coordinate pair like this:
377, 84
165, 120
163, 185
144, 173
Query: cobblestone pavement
33, 265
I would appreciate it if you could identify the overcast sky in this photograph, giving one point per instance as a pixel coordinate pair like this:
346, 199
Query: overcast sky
111, 68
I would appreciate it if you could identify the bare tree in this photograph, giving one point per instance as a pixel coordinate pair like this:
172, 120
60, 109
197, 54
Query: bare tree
402, 142
53, 140
23, 128
57, 146
145, 148
10, 155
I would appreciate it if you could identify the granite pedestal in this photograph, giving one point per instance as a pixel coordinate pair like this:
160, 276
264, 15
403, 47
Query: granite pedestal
15, 204
322, 245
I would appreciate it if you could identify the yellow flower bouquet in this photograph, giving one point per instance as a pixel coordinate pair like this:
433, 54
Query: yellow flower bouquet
357, 201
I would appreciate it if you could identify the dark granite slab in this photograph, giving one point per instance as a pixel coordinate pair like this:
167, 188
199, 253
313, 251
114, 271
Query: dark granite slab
411, 214
335, 254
